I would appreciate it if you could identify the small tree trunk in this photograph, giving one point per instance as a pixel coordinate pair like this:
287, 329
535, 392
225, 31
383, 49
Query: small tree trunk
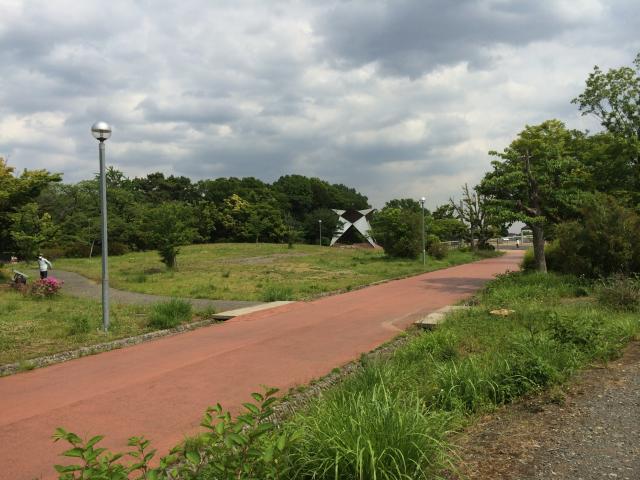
93, 242
538, 248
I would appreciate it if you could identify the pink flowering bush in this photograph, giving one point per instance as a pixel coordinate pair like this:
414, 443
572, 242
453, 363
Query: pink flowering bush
45, 287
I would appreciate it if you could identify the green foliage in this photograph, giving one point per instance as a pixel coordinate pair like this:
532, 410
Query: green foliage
398, 232
368, 433
170, 225
79, 324
602, 243
614, 98
437, 249
538, 180
16, 192
249, 447
30, 230
243, 448
619, 292
170, 314
274, 292
97, 463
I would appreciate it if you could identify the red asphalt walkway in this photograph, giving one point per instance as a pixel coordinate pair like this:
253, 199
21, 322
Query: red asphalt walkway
160, 389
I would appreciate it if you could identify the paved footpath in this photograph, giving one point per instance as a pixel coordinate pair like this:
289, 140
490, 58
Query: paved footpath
161, 388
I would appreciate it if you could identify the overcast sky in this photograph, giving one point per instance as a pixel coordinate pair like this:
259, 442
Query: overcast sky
396, 98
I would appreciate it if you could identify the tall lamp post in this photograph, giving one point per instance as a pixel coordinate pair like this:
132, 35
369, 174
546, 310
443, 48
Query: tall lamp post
101, 131
424, 249
320, 223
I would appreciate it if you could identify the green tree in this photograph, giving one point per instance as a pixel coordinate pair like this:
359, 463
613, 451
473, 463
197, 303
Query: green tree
31, 230
538, 181
474, 210
398, 231
614, 98
169, 226
15, 192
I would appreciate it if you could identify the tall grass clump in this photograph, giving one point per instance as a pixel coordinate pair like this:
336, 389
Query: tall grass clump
170, 314
273, 293
366, 434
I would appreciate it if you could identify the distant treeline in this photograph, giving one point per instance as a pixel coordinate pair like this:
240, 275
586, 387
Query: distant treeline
40, 212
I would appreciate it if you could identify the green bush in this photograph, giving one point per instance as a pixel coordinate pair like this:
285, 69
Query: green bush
619, 292
437, 249
247, 447
398, 231
603, 243
170, 314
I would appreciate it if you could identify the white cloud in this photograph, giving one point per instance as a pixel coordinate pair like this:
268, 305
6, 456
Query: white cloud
395, 98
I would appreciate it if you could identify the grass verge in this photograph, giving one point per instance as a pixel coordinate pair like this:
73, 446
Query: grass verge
32, 328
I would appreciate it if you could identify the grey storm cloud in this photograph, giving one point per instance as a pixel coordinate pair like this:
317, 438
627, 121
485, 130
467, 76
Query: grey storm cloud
395, 98
411, 37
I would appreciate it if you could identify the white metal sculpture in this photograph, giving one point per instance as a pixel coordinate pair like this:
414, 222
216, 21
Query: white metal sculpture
358, 219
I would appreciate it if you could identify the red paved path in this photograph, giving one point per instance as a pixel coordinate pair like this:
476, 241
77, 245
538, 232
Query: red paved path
161, 388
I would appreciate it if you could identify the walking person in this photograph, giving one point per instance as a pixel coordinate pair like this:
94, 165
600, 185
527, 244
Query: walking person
44, 265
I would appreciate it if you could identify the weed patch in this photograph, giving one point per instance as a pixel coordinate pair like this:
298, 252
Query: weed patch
274, 293
170, 314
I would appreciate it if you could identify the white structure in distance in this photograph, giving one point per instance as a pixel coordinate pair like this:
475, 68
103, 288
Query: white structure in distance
358, 219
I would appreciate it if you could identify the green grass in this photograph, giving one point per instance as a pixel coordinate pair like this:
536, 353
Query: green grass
254, 271
439, 380
31, 328
170, 314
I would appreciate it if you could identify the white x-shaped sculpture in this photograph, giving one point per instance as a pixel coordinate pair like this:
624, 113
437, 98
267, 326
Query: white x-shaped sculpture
356, 219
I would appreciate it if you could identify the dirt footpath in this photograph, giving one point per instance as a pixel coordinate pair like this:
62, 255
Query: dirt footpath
588, 431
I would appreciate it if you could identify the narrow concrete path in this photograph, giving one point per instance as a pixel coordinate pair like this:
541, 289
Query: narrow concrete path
80, 286
161, 388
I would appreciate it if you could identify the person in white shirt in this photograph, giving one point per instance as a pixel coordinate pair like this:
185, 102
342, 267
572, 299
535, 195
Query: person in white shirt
44, 266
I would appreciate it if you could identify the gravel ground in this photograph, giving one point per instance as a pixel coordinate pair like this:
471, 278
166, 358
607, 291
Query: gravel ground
589, 430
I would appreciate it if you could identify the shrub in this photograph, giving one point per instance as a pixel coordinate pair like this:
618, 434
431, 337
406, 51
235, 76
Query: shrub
244, 448
437, 250
118, 248
170, 314
45, 287
619, 292
603, 243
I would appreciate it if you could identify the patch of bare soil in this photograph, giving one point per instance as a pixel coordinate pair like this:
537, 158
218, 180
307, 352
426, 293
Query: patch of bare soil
588, 430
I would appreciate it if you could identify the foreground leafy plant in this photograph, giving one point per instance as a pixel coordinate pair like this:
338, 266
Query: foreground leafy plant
247, 447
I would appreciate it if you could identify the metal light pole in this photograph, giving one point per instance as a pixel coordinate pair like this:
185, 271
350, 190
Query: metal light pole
320, 223
102, 131
424, 250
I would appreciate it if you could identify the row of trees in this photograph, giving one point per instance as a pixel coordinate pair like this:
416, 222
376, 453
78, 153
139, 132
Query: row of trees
578, 190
